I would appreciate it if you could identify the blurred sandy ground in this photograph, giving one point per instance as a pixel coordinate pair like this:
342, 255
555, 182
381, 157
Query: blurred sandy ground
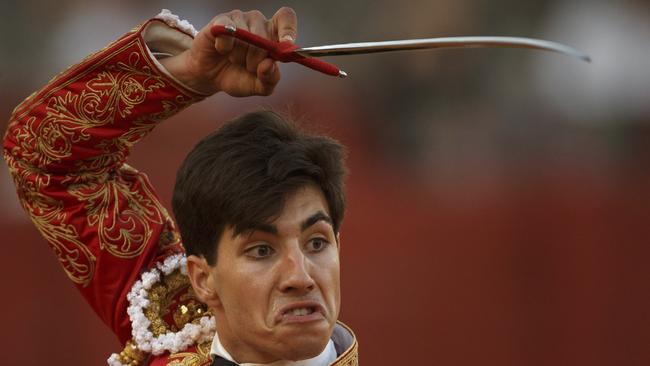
499, 199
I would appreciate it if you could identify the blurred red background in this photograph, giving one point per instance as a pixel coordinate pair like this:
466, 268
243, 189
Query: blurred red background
489, 222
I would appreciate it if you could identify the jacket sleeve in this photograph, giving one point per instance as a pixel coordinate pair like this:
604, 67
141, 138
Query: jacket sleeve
66, 147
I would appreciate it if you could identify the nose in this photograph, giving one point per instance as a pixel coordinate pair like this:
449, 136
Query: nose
296, 273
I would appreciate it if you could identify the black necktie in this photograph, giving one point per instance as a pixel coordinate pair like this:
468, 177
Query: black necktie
218, 361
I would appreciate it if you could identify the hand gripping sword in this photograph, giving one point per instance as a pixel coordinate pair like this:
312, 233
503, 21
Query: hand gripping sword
307, 56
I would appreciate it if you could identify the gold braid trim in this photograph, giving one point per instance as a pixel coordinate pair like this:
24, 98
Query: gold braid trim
131, 355
351, 356
198, 358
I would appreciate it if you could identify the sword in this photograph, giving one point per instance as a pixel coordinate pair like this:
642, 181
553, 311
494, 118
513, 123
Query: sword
288, 52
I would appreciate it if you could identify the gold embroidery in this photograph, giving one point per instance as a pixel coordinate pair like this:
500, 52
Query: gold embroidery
73, 68
198, 358
51, 221
112, 93
124, 208
131, 355
162, 298
191, 310
350, 358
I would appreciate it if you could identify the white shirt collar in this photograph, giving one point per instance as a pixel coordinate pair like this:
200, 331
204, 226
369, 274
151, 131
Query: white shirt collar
325, 358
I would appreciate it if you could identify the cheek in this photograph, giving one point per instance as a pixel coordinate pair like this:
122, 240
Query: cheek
334, 266
245, 294
329, 276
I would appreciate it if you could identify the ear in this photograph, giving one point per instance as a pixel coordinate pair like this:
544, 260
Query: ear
202, 279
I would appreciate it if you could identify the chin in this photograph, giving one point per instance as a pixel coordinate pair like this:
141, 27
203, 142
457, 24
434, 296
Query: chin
302, 347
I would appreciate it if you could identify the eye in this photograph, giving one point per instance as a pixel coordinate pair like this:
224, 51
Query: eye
260, 251
317, 244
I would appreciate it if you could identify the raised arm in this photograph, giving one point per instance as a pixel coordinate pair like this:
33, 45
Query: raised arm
66, 146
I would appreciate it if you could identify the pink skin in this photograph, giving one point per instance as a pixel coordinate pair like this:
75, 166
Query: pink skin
260, 277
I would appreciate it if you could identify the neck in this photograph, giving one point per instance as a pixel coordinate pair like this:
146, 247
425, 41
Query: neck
324, 358
236, 350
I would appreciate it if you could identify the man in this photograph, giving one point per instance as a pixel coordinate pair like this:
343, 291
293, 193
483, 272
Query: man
259, 204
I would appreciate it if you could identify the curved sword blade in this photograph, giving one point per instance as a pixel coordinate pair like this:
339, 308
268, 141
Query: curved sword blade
433, 43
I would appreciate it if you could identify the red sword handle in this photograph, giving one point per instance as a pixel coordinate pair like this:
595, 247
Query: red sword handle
279, 51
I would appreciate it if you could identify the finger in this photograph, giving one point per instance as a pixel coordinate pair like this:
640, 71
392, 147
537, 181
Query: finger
257, 24
224, 44
268, 76
285, 24
238, 54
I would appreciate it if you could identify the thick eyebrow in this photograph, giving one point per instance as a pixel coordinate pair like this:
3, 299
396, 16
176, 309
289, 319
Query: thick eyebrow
311, 220
272, 229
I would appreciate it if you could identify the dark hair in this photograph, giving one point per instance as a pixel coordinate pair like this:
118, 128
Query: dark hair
241, 175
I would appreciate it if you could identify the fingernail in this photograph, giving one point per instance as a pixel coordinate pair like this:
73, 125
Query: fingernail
287, 37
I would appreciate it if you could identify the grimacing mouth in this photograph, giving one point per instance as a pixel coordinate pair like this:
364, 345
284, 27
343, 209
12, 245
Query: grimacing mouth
300, 308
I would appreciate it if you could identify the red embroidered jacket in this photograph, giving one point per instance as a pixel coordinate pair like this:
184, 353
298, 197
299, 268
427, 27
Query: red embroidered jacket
66, 147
